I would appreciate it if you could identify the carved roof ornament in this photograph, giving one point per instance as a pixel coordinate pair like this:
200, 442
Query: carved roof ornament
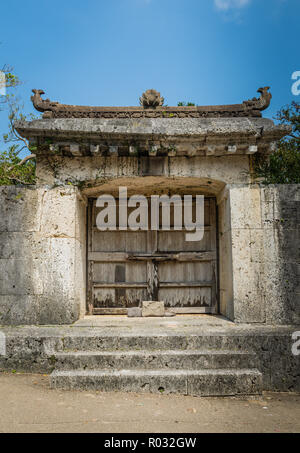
151, 99
152, 107
40, 104
261, 103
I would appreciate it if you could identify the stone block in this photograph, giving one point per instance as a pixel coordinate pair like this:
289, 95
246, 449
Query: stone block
248, 280
153, 309
18, 209
231, 168
58, 310
134, 312
23, 245
170, 314
245, 207
57, 212
224, 216
20, 277
19, 310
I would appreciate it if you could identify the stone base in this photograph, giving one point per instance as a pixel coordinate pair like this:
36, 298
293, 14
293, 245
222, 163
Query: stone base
195, 355
134, 312
153, 309
180, 382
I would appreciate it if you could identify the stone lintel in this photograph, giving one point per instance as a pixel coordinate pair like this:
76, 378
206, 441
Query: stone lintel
154, 137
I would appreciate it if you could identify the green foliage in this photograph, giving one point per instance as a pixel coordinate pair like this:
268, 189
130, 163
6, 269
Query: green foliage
283, 165
13, 169
11, 81
11, 173
186, 104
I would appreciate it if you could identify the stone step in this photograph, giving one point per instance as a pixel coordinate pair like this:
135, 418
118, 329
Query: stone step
145, 360
150, 342
194, 383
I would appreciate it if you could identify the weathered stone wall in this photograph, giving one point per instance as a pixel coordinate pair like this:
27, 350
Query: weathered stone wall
260, 248
281, 239
247, 254
33, 349
42, 256
225, 256
97, 170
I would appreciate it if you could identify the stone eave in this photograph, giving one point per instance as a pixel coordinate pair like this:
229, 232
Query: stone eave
156, 136
152, 106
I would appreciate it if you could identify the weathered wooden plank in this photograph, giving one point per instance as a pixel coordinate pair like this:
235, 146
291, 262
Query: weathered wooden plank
120, 285
90, 273
110, 257
177, 310
213, 222
186, 297
152, 268
110, 311
120, 277
188, 256
193, 311
150, 257
171, 230
185, 284
121, 257
152, 280
119, 241
181, 273
196, 256
175, 241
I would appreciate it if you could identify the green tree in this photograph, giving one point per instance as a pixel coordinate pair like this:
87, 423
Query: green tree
283, 165
10, 80
186, 104
13, 169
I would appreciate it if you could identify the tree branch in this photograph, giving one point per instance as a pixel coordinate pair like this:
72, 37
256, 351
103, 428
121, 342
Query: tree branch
18, 180
294, 137
18, 137
23, 161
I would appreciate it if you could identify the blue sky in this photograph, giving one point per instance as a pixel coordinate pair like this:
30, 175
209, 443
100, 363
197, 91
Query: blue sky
107, 52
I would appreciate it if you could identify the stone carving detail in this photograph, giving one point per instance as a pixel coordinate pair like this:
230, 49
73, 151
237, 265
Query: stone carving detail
261, 103
152, 108
151, 99
40, 104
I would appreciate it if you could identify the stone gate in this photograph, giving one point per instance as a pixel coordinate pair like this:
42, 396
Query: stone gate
56, 266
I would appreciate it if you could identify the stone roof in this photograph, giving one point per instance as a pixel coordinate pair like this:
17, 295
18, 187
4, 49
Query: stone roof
152, 129
152, 107
157, 136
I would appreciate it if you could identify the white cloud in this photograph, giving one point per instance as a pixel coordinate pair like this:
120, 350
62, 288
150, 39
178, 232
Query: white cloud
226, 5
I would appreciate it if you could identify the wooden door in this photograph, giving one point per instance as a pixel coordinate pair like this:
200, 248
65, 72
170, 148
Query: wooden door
128, 267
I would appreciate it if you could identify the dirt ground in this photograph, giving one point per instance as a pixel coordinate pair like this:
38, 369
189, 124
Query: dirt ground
28, 405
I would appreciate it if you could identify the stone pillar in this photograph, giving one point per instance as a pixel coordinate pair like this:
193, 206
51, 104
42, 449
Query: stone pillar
259, 237
242, 270
281, 237
62, 224
225, 255
42, 256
